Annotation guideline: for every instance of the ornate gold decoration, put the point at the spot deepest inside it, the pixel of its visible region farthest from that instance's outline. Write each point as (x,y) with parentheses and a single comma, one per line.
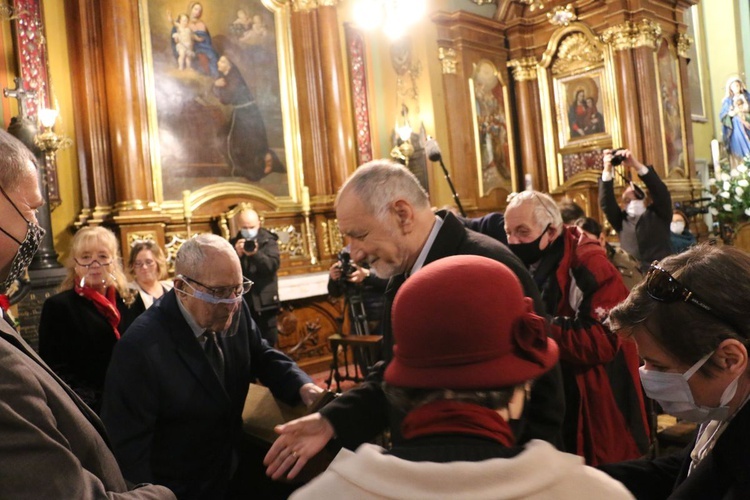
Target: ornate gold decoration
(304,5)
(333,241)
(630,35)
(533,4)
(576,53)
(447,56)
(291,240)
(524,69)
(174,242)
(328,3)
(683,42)
(483,2)
(141,236)
(562,16)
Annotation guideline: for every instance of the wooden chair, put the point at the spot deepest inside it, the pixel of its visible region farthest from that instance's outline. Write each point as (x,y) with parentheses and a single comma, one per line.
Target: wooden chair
(359,353)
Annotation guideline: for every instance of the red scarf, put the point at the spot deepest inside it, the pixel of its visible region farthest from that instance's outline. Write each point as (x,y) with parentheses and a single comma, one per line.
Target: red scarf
(456,417)
(4,302)
(107,306)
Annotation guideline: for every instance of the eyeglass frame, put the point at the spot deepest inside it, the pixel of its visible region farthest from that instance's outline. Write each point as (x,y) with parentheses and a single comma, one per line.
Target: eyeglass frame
(88,266)
(214,292)
(145,263)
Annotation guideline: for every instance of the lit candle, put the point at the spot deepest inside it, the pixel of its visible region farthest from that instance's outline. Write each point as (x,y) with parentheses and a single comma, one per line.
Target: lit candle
(305,199)
(186,204)
(715,158)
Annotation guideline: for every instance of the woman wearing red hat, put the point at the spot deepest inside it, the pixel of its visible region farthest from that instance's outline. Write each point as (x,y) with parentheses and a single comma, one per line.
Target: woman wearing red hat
(459,367)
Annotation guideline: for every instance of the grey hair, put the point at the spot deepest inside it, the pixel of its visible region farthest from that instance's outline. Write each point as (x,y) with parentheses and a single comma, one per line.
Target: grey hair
(14,163)
(192,256)
(379,183)
(546,210)
(406,399)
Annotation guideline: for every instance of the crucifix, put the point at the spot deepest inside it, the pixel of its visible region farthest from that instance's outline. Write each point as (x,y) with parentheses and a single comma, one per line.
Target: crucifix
(21,95)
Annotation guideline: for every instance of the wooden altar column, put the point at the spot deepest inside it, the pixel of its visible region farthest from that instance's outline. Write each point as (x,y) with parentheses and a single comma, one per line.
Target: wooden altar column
(323,98)
(126,108)
(530,133)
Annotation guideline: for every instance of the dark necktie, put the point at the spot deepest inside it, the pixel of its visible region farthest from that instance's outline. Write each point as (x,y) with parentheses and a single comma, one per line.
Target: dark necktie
(214,354)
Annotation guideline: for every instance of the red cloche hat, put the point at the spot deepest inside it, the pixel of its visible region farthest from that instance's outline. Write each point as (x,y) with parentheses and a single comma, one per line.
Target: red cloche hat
(463,322)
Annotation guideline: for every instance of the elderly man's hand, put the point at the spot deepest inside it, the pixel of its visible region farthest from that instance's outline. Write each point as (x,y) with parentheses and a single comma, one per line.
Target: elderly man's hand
(310,393)
(359,274)
(298,441)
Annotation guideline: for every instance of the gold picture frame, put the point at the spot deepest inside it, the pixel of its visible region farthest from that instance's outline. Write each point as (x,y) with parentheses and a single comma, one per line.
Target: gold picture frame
(577,61)
(493,129)
(671,110)
(215,128)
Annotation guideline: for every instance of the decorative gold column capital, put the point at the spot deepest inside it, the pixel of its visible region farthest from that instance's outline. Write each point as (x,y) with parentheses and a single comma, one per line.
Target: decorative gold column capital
(305,5)
(683,42)
(524,69)
(448,58)
(631,35)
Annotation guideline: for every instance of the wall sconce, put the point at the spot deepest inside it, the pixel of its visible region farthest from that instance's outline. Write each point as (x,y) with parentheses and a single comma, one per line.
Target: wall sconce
(48,141)
(404,149)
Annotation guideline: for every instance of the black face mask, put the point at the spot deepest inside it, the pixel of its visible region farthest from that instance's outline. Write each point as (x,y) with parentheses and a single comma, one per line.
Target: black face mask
(529,252)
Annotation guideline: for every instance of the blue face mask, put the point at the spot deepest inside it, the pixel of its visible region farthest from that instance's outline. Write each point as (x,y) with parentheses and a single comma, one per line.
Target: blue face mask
(672,392)
(207,297)
(249,234)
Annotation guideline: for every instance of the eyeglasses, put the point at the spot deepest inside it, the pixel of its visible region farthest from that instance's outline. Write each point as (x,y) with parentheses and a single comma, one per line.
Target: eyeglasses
(224,292)
(88,262)
(143,263)
(662,286)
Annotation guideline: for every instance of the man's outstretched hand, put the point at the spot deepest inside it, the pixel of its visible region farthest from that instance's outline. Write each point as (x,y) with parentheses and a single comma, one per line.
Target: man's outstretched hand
(298,441)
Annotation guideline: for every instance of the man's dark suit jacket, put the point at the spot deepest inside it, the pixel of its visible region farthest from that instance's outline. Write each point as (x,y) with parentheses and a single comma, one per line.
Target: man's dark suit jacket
(360,414)
(170,420)
(721,475)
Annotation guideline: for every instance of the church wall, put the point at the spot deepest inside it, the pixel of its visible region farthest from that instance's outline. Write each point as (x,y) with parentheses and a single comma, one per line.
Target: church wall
(60,84)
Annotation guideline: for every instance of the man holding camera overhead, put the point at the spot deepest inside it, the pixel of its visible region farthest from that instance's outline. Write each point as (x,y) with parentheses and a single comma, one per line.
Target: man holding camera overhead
(642,222)
(258,250)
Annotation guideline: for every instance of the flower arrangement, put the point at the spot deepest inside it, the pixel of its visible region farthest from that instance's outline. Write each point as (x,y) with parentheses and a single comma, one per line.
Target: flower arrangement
(730,199)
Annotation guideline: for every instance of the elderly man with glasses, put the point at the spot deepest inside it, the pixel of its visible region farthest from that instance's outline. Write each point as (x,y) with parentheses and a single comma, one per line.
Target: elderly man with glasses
(178,379)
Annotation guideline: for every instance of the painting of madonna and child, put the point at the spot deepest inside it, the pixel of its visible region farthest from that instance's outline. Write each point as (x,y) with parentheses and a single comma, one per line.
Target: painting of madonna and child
(217,94)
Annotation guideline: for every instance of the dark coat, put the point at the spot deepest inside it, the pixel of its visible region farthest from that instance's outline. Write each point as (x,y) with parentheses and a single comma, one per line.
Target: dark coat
(652,230)
(722,475)
(362,413)
(170,420)
(76,341)
(261,269)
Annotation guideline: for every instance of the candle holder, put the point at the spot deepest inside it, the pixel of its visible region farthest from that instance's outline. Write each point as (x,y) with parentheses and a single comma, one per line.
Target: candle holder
(311,243)
(48,141)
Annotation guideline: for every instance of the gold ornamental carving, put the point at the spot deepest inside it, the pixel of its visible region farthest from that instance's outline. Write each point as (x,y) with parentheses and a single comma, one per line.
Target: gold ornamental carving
(631,35)
(304,5)
(332,239)
(524,69)
(562,16)
(683,42)
(137,236)
(447,57)
(576,52)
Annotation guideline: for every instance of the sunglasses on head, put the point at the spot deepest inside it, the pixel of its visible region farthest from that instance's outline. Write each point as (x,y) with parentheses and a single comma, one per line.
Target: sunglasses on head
(662,286)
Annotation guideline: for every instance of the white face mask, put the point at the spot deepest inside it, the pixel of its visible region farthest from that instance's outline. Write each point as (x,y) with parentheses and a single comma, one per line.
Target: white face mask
(677,227)
(672,392)
(635,208)
(249,234)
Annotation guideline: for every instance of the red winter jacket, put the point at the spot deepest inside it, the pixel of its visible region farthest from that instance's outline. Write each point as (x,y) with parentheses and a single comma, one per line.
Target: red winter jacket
(589,287)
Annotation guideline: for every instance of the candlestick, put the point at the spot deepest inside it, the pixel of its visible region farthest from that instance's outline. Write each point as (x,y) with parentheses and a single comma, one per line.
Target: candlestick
(186,204)
(715,158)
(305,199)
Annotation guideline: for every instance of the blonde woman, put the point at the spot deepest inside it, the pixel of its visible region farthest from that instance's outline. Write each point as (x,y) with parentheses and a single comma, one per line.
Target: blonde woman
(148,268)
(79,326)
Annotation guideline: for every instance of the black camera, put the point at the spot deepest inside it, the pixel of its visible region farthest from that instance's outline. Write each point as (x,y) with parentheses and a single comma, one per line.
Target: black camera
(617,157)
(250,245)
(345,264)
(689,209)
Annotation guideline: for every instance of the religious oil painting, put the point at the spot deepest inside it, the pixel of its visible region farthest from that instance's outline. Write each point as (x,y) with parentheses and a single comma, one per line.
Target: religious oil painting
(492,129)
(216,99)
(670,97)
(695,79)
(582,114)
